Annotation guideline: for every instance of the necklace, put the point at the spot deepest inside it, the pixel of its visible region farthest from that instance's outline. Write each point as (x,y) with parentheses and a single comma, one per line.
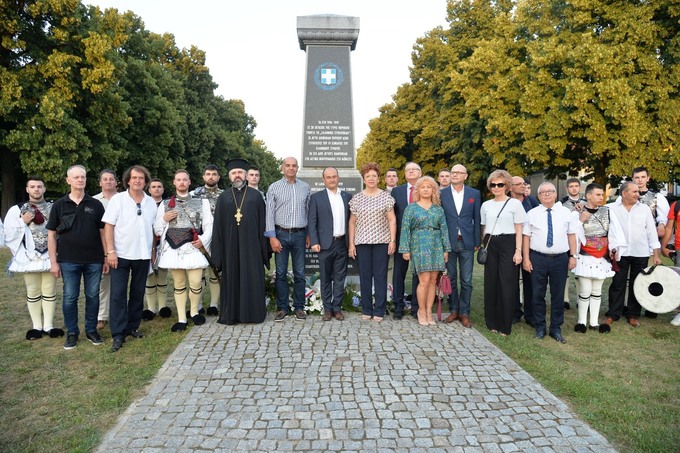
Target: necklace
(238,216)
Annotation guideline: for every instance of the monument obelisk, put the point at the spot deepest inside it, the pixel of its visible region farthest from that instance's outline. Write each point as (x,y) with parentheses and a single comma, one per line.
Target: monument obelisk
(328,130)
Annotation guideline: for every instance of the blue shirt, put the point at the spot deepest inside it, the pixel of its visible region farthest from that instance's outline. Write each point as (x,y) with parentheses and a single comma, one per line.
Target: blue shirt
(287,205)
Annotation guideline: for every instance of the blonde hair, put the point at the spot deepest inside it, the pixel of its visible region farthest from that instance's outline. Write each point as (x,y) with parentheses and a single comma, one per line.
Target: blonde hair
(500,174)
(436,199)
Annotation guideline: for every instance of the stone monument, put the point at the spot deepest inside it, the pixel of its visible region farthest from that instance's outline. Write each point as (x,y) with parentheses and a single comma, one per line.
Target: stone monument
(328,130)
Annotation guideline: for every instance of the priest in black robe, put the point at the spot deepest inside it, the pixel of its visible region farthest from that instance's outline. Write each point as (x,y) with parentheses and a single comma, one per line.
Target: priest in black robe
(239,249)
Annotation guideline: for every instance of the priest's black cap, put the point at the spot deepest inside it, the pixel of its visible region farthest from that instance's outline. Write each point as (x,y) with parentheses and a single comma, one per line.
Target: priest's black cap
(237,163)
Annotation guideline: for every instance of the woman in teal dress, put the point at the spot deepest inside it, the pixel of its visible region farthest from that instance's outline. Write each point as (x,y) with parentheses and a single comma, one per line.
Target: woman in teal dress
(425,242)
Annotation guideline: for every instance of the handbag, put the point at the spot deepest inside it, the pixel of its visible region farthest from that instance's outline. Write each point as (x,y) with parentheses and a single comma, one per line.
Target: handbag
(483,252)
(445,284)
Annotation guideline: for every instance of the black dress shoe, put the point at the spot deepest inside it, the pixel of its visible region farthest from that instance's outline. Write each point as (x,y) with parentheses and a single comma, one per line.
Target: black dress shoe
(398,314)
(213,311)
(134,334)
(539,335)
(567,305)
(117,344)
(580,328)
(165,312)
(558,337)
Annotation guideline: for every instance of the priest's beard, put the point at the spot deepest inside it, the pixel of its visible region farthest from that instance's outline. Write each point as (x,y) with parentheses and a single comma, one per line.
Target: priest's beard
(238,184)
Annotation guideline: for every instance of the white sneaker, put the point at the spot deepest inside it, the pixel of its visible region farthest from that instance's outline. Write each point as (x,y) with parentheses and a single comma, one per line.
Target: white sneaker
(676,320)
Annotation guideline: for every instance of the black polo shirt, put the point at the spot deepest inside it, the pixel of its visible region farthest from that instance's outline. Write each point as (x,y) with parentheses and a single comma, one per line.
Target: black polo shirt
(82,244)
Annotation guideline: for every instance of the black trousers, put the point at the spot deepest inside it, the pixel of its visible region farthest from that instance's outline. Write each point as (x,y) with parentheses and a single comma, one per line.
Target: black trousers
(617,290)
(501,280)
(332,273)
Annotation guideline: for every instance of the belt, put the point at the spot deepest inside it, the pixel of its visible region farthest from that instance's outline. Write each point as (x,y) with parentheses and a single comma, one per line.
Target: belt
(427,229)
(550,255)
(289,230)
(339,238)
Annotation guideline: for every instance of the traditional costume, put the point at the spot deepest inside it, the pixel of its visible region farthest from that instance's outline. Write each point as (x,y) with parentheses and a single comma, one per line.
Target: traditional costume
(156,291)
(211,194)
(177,253)
(28,244)
(239,250)
(597,236)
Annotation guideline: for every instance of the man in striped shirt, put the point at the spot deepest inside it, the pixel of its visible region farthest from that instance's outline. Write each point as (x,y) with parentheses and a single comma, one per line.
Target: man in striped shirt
(286,228)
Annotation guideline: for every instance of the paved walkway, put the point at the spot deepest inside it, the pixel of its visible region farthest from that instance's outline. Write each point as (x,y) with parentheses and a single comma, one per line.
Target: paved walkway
(346,386)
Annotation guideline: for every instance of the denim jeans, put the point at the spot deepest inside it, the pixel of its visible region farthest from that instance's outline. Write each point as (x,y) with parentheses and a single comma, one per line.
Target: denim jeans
(70,274)
(293,245)
(126,313)
(460,259)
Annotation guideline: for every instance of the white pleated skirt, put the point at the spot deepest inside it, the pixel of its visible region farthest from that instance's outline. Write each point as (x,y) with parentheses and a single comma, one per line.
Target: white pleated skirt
(591,267)
(185,257)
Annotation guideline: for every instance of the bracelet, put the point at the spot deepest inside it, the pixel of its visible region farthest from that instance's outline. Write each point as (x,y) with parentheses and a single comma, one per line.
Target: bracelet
(110,251)
(392,240)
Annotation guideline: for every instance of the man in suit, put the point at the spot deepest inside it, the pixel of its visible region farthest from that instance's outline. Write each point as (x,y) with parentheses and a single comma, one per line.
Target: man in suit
(403,195)
(461,205)
(328,228)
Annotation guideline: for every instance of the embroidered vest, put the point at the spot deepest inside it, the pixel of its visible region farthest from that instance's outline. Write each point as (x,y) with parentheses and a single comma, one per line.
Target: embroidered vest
(597,224)
(38,231)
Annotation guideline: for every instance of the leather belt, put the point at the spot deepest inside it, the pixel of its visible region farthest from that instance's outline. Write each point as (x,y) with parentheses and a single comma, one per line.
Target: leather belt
(289,230)
(339,238)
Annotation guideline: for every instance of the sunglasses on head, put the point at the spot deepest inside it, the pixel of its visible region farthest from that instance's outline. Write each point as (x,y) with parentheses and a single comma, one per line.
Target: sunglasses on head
(497,184)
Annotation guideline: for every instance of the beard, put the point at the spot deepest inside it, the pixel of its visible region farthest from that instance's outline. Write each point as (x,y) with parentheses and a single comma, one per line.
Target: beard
(238,183)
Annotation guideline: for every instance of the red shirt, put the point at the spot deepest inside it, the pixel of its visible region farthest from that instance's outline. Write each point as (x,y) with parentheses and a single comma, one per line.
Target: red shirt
(672,216)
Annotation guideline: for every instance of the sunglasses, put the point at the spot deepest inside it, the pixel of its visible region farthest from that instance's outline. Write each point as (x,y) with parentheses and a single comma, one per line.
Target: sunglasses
(139,209)
(496,184)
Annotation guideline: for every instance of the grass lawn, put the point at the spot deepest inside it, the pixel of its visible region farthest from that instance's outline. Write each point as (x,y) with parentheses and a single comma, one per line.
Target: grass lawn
(626,383)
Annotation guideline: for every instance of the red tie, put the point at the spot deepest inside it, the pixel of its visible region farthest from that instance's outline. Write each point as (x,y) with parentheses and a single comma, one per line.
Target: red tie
(410,195)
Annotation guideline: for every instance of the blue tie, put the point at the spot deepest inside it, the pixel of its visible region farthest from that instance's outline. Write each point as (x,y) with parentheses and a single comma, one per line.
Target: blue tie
(549,243)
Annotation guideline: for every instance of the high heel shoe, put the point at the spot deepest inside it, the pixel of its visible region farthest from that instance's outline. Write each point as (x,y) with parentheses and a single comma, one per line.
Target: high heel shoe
(422,318)
(430,320)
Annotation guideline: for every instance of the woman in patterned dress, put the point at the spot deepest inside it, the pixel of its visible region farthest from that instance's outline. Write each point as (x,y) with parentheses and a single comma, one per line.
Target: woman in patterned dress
(425,242)
(372,232)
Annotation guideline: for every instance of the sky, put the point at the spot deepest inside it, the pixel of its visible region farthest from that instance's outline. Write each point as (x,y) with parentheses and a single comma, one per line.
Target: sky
(253,54)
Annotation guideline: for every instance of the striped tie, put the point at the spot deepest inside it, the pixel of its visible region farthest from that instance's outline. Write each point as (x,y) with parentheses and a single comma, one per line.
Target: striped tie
(549,242)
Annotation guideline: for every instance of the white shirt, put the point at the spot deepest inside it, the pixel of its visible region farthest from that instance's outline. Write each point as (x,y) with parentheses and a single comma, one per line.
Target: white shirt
(513,214)
(639,229)
(564,223)
(338,209)
(132,233)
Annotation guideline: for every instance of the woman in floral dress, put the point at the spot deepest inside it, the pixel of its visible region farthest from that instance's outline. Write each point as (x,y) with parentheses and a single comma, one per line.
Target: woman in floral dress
(425,242)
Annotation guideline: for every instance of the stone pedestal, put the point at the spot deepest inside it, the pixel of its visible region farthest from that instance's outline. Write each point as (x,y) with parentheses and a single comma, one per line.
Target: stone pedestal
(328,130)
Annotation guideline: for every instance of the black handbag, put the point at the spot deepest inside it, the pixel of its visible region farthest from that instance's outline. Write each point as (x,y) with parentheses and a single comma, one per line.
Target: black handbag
(483,252)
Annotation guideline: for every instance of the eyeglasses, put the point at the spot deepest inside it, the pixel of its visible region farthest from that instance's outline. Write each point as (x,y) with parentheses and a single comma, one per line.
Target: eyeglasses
(459,173)
(413,169)
(546,192)
(493,185)
(139,209)
(519,184)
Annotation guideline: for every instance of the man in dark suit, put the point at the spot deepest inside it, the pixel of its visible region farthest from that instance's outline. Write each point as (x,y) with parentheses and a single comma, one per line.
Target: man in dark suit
(403,195)
(461,205)
(328,228)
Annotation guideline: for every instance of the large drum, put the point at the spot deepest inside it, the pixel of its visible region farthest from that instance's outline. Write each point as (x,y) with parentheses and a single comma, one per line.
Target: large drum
(657,288)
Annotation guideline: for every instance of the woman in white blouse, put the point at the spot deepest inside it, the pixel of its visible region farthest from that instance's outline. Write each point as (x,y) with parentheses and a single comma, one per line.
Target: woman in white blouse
(501,219)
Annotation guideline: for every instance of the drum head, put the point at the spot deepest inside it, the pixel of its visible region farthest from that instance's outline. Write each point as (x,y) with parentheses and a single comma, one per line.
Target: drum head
(658,291)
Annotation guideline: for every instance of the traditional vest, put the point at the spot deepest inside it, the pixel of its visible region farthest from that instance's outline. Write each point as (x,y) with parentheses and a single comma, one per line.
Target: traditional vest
(598,224)
(210,194)
(569,203)
(649,198)
(42,212)
(187,225)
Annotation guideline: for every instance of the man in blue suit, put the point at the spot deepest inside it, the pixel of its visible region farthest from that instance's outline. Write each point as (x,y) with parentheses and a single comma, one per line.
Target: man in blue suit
(328,219)
(461,205)
(403,195)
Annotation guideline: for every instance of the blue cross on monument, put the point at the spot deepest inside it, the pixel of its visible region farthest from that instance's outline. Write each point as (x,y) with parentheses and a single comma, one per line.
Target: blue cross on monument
(328,76)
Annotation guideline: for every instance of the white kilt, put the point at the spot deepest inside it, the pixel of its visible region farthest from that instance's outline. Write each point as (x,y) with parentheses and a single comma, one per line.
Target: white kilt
(185,257)
(591,267)
(23,263)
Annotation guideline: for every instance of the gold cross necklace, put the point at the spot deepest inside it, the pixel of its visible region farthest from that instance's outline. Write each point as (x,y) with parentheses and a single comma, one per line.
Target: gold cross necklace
(238,216)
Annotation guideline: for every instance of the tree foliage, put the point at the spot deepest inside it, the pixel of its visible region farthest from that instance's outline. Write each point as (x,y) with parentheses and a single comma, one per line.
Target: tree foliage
(560,86)
(81,85)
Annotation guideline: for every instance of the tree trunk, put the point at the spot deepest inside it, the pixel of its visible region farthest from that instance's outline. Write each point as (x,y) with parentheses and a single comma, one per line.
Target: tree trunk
(8,195)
